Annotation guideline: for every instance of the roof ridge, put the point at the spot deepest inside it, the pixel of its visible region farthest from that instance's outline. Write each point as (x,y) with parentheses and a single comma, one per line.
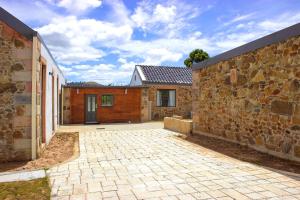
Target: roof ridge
(161,66)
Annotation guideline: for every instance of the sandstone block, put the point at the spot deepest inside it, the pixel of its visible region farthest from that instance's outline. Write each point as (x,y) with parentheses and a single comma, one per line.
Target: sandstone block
(297,151)
(259,77)
(282,107)
(8,87)
(17,67)
(21,76)
(22,99)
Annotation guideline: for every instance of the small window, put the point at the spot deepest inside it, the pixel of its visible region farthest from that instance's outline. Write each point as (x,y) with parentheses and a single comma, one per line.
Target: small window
(107,100)
(135,77)
(166,98)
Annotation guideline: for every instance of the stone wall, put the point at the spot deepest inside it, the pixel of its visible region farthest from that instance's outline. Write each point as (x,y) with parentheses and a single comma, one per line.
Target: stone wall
(66,106)
(145,106)
(15,95)
(252,99)
(183,101)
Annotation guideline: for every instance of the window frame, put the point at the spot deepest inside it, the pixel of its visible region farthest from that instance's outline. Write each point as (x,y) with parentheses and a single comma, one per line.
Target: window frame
(112,100)
(169,97)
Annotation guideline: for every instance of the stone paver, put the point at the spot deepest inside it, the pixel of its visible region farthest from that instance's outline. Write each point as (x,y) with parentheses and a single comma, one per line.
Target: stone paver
(21,175)
(157,164)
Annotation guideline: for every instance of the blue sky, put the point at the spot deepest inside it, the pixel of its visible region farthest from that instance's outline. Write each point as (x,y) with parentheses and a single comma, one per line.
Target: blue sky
(99,40)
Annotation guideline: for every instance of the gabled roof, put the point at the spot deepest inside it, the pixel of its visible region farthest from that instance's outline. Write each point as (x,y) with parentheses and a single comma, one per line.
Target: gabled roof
(273,38)
(165,74)
(16,24)
(24,30)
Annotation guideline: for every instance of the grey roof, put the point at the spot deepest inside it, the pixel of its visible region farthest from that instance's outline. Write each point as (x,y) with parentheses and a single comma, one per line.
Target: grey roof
(23,29)
(276,37)
(166,74)
(16,24)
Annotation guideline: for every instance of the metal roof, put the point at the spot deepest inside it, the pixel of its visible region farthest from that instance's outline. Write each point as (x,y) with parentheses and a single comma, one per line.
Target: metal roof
(166,75)
(276,37)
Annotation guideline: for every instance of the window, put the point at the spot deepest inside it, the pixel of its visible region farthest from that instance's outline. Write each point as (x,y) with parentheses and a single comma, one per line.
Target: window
(166,98)
(107,100)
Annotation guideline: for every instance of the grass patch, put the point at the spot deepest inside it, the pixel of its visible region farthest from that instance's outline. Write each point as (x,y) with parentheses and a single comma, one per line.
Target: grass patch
(35,189)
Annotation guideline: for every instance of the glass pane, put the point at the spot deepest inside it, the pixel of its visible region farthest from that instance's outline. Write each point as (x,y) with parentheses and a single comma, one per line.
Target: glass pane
(107,100)
(172,98)
(93,104)
(158,98)
(164,98)
(89,103)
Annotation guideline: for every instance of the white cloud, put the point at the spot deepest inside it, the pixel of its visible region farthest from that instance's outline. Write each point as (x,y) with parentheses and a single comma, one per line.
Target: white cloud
(73,40)
(163,49)
(239,18)
(101,73)
(119,13)
(234,36)
(78,6)
(169,18)
(39,11)
(282,21)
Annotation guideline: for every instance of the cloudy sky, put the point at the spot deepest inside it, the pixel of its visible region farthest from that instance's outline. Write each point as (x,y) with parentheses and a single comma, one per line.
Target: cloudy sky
(102,40)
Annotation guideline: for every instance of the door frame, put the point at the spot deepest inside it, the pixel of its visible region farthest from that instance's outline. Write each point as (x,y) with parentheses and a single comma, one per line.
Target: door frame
(43,100)
(85,109)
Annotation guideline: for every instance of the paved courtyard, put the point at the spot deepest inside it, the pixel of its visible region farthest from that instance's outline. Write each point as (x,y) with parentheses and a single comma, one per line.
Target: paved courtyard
(153,163)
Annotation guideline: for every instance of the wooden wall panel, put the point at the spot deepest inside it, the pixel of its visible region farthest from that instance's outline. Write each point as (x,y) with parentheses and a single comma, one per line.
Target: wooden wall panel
(126,107)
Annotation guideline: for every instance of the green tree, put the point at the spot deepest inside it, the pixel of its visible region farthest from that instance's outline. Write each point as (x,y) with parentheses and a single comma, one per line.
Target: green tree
(196,56)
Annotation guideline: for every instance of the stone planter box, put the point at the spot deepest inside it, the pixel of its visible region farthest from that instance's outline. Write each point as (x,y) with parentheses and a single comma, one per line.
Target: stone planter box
(178,124)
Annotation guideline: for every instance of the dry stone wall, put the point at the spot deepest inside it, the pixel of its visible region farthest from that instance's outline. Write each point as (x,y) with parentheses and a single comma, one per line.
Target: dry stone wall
(252,99)
(15,95)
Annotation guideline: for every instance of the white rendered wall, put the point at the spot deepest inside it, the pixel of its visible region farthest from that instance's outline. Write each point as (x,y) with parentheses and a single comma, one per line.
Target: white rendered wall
(135,79)
(52,70)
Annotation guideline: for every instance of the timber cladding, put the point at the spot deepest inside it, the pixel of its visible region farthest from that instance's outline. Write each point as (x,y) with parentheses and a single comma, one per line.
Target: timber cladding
(126,104)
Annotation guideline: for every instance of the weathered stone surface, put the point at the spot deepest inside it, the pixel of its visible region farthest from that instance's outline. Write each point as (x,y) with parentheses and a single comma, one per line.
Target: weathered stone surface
(17,67)
(183,101)
(12,92)
(22,99)
(19,43)
(256,101)
(259,77)
(8,87)
(297,151)
(282,107)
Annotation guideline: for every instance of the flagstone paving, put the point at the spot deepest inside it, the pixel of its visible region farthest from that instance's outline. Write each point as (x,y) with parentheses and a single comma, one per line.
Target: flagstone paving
(157,164)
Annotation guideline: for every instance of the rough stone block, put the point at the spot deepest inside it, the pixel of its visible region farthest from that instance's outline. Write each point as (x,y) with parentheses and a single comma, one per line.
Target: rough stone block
(17,67)
(22,144)
(258,77)
(22,121)
(178,125)
(8,87)
(21,76)
(22,99)
(297,151)
(282,107)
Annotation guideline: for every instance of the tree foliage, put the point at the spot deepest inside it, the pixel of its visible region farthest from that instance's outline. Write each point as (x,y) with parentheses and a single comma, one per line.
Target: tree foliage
(196,56)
